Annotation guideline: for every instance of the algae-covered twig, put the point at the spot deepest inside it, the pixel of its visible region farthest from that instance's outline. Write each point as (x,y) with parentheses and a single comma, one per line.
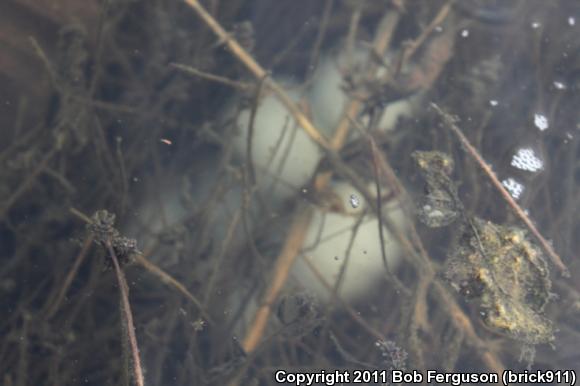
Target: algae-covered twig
(117,247)
(128,317)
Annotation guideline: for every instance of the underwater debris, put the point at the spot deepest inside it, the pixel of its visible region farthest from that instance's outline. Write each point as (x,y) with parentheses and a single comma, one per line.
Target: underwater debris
(496,264)
(299,313)
(441,205)
(102,228)
(508,274)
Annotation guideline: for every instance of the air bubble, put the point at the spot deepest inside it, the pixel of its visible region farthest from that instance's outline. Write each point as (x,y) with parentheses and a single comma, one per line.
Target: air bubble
(559,85)
(354,201)
(541,122)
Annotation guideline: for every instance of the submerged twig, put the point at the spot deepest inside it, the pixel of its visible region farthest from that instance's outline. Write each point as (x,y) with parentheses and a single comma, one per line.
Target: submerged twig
(69,278)
(104,234)
(439,18)
(171,281)
(250,139)
(427,271)
(323,25)
(212,77)
(351,311)
(128,316)
(258,72)
(450,122)
(297,233)
(27,183)
(291,247)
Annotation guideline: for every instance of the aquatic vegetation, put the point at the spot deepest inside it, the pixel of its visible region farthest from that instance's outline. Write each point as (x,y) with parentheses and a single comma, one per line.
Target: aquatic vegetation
(237,141)
(495,264)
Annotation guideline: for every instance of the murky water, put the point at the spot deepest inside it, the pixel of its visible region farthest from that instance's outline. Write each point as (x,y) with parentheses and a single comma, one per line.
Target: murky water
(278,228)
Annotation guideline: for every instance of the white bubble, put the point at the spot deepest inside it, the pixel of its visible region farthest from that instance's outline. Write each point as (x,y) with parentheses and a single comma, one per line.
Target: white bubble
(465,33)
(493,102)
(541,121)
(354,201)
(536,25)
(571,21)
(559,85)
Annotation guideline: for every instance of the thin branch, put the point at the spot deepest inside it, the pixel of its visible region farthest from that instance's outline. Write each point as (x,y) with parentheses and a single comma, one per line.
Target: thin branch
(69,278)
(212,77)
(80,215)
(379,201)
(315,52)
(355,315)
(27,183)
(450,122)
(439,18)
(171,281)
(258,72)
(128,316)
(352,109)
(292,246)
(250,139)
(426,269)
(301,222)
(219,259)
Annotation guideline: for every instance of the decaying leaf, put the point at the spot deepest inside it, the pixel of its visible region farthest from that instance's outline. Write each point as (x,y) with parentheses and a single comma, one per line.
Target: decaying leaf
(509,276)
